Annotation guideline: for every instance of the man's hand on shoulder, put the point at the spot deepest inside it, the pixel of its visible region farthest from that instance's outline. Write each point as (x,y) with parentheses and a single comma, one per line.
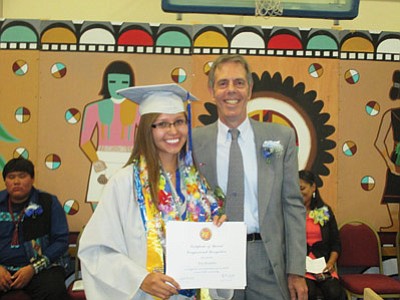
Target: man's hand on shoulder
(297,287)
(22,277)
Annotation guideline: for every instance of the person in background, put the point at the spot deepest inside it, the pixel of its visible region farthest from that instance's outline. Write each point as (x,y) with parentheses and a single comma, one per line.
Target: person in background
(33,237)
(272,207)
(122,247)
(322,241)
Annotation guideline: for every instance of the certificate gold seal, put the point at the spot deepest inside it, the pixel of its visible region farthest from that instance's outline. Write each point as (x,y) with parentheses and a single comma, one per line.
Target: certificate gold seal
(205,234)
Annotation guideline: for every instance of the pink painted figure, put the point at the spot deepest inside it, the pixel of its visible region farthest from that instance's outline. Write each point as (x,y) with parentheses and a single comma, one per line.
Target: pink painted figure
(108,129)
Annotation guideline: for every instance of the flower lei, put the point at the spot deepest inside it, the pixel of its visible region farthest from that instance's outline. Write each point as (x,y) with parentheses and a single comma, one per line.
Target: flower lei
(269,148)
(220,196)
(320,215)
(191,201)
(200,205)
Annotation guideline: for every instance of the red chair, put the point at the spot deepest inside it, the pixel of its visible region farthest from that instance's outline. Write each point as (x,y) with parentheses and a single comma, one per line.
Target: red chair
(76,294)
(361,250)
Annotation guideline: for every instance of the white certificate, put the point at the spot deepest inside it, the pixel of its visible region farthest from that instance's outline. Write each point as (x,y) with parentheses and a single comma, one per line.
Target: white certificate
(202,255)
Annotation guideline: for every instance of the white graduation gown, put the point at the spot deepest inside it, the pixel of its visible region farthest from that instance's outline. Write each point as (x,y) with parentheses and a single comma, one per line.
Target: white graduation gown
(113,246)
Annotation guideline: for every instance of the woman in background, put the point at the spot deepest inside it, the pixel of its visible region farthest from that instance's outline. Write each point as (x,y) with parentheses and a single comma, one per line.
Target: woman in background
(322,241)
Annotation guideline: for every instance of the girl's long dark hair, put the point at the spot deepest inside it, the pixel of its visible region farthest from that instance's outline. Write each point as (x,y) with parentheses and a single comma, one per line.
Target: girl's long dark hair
(145,146)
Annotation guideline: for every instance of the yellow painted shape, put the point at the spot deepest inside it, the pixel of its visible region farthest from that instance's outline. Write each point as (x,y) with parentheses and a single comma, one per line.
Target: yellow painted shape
(59,36)
(211,39)
(357,44)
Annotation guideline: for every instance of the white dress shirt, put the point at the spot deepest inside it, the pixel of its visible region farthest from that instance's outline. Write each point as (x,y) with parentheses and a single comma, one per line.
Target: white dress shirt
(248,148)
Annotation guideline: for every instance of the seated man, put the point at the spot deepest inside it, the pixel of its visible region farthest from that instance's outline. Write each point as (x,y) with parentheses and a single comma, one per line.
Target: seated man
(33,236)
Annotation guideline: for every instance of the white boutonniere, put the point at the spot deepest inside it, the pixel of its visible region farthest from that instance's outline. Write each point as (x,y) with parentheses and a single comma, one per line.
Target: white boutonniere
(33,210)
(270,148)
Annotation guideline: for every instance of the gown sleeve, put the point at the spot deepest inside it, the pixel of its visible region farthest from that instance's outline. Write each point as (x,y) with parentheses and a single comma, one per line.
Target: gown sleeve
(112,248)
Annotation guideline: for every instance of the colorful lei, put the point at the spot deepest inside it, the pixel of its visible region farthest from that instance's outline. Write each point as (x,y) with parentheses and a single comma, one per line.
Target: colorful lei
(195,198)
(220,196)
(190,201)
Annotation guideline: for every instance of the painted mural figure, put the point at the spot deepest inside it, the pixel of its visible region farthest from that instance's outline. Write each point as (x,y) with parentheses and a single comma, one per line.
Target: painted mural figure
(8,138)
(114,120)
(391,122)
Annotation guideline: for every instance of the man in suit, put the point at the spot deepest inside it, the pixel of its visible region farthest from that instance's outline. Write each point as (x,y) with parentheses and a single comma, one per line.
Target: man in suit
(273,208)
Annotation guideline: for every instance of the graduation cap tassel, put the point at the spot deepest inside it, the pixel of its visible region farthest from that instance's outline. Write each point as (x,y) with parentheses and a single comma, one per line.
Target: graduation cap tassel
(189,157)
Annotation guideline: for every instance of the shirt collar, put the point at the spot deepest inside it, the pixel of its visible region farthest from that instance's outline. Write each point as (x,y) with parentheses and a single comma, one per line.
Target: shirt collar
(244,128)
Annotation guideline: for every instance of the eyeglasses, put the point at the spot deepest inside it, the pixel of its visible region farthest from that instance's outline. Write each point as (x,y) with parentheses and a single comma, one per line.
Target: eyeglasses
(166,125)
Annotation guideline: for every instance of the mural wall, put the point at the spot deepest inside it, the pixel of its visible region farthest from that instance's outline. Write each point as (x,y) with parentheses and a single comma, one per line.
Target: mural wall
(337,89)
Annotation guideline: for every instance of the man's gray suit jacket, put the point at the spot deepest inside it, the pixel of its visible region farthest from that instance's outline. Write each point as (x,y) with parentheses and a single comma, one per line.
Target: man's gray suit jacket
(280,204)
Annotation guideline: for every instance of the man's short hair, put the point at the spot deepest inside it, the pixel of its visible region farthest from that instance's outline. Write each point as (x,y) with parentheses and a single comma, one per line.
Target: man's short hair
(19,165)
(225,58)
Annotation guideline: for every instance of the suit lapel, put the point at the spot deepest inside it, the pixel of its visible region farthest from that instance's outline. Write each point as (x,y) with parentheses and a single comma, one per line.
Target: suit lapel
(207,150)
(265,171)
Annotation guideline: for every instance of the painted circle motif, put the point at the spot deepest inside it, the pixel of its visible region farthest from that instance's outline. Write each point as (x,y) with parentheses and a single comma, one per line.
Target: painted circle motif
(58,70)
(53,161)
(178,75)
(22,114)
(72,116)
(207,67)
(205,234)
(315,70)
(351,76)
(372,108)
(20,67)
(71,207)
(349,148)
(21,152)
(367,183)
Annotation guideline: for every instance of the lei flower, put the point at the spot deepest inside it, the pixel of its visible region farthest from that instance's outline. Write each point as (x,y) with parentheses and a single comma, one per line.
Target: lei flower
(320,215)
(220,197)
(33,210)
(201,205)
(270,148)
